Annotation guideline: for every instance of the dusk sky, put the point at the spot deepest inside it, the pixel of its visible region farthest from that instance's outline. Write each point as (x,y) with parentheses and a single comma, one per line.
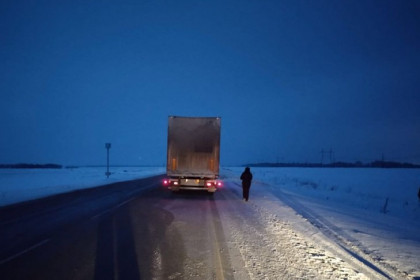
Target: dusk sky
(288,78)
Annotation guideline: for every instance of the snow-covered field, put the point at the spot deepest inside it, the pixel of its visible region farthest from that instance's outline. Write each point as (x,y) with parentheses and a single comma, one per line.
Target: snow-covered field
(372,214)
(17,185)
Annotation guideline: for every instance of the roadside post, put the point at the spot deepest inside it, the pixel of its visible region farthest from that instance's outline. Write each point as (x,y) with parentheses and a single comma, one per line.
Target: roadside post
(107,146)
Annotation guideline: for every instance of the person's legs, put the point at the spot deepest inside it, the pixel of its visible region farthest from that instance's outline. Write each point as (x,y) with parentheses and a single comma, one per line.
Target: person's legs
(246,193)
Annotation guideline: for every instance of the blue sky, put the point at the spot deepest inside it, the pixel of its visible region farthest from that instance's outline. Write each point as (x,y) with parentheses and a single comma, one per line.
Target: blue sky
(288,78)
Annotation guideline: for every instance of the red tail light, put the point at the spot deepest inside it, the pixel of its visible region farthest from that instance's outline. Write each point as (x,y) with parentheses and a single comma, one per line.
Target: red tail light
(214,183)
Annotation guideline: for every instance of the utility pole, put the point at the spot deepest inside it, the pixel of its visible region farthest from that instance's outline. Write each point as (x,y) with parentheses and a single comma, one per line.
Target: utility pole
(107,146)
(325,153)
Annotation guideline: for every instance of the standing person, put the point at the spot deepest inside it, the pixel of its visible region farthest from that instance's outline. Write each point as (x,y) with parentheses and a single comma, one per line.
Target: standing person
(246,178)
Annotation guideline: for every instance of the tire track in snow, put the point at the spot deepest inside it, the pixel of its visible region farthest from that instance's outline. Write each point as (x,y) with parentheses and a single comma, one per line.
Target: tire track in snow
(221,261)
(273,249)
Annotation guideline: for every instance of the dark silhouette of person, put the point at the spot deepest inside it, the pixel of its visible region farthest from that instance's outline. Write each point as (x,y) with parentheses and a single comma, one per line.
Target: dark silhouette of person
(246,178)
(418,194)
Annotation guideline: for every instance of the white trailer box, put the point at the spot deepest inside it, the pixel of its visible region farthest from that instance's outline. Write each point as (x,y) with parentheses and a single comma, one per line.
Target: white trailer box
(193,153)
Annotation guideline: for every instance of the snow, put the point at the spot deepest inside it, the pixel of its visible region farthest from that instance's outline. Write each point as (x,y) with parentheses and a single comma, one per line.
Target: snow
(372,214)
(323,223)
(273,247)
(17,185)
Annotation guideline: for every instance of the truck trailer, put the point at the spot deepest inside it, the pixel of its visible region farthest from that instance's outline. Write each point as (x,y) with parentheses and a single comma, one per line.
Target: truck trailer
(193,153)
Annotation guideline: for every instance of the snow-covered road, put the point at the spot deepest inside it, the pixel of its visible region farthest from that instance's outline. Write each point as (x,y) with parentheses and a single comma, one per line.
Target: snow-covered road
(266,245)
(192,235)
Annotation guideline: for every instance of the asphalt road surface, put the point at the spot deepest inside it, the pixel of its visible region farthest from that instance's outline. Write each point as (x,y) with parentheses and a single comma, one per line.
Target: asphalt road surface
(120,231)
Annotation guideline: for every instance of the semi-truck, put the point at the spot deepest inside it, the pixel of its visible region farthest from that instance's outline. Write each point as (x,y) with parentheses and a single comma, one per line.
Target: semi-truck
(193,153)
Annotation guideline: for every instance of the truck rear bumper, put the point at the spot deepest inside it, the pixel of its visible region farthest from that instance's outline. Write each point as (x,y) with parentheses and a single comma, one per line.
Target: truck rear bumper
(177,188)
(176,184)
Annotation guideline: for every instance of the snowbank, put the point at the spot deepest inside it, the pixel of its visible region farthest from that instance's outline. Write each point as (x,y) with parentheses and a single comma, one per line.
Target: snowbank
(17,185)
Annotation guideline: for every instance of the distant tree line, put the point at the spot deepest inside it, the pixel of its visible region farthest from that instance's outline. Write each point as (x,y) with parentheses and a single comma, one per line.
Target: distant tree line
(32,166)
(358,164)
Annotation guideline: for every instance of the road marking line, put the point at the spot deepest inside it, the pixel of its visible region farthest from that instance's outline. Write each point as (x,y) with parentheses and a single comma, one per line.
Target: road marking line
(112,209)
(122,203)
(100,214)
(24,251)
(125,202)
